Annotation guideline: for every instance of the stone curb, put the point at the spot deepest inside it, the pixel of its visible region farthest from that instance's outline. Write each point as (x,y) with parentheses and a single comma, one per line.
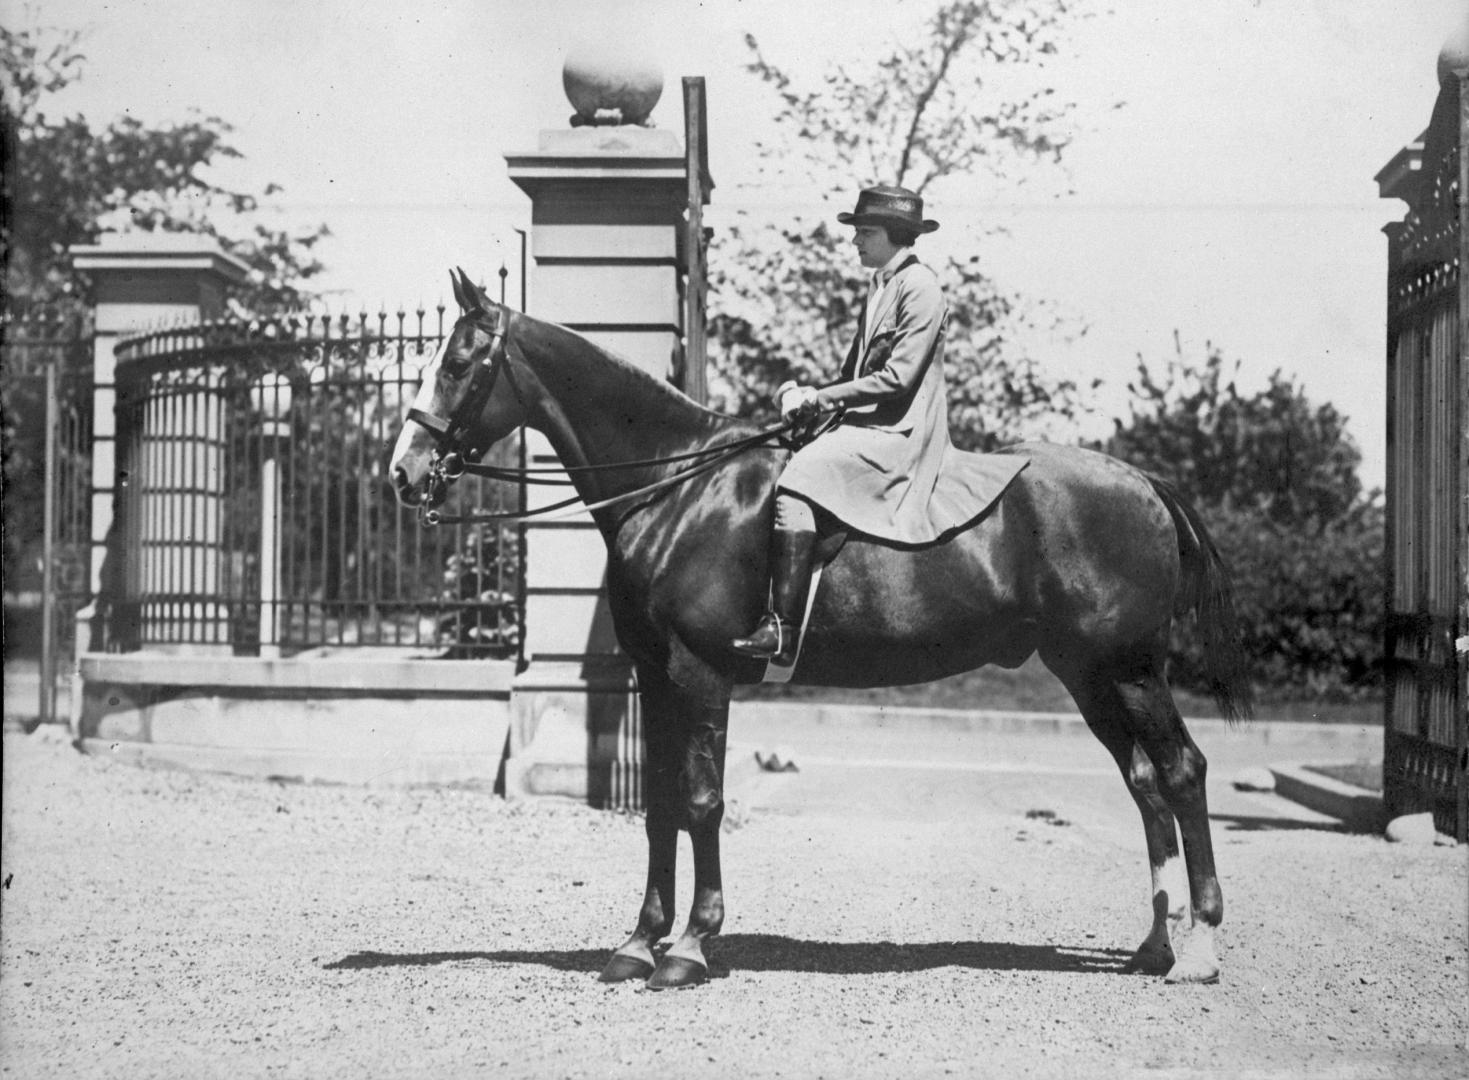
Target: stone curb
(1357,808)
(993,721)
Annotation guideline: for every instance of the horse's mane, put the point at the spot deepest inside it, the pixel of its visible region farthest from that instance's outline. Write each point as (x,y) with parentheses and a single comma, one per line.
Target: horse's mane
(628,374)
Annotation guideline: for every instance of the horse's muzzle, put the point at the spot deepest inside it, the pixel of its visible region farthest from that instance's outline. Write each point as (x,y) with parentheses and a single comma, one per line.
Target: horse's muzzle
(433,491)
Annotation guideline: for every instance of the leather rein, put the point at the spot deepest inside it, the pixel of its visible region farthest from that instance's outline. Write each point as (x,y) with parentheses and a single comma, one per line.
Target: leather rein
(453,457)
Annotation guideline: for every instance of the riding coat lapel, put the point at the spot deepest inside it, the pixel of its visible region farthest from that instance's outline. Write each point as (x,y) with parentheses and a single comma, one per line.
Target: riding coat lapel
(877,308)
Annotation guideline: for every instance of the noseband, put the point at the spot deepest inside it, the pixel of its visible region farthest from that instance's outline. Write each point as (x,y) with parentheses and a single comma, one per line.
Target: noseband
(449,435)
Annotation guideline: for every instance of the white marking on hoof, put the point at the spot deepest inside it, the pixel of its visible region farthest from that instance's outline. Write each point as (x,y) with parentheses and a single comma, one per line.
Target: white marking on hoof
(1197,962)
(690,949)
(1171,881)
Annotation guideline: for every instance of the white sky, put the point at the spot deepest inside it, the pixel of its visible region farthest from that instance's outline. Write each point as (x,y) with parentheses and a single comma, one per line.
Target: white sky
(1231,199)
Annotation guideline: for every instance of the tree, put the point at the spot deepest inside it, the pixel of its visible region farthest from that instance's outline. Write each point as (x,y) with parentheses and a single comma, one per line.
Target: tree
(784,298)
(1275,477)
(1274,453)
(66,180)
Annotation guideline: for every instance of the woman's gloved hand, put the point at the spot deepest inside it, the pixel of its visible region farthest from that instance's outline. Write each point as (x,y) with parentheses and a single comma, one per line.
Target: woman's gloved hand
(796,401)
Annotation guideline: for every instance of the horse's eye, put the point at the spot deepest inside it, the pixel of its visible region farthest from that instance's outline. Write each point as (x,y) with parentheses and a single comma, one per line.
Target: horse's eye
(454,364)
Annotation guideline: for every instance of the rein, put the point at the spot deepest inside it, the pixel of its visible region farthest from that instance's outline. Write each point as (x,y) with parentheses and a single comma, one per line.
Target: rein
(453,458)
(703,460)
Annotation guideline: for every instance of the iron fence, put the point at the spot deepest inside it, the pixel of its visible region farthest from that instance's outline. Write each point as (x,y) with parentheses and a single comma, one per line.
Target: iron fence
(46,384)
(255,511)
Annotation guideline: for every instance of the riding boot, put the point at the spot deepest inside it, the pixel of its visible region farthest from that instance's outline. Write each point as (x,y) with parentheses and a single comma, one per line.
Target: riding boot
(774,638)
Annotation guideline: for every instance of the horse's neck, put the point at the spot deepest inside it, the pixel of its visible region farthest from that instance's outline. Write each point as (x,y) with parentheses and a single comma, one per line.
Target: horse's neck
(597,409)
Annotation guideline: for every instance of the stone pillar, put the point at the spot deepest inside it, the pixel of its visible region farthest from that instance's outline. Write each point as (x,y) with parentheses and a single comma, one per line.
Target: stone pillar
(607,211)
(140,281)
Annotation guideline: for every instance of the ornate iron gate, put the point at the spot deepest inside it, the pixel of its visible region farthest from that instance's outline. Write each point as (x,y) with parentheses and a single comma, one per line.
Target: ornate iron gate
(1424,765)
(47,363)
(255,512)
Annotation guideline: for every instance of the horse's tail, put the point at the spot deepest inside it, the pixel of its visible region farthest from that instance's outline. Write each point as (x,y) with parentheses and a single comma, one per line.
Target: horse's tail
(1207,590)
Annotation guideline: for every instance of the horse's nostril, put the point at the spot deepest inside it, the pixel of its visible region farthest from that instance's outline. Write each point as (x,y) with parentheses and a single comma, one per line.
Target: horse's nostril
(406,491)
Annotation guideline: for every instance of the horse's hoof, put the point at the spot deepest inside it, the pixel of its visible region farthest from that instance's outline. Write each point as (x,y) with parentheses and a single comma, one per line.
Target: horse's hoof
(676,971)
(1151,960)
(623,968)
(1196,971)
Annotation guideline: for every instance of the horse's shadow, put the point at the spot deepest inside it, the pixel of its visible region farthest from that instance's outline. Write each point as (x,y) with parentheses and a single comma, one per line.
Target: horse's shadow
(772,952)
(1247,823)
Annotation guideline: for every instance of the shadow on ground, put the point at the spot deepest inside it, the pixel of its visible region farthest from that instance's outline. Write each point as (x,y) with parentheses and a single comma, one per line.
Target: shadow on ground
(771,952)
(1245,823)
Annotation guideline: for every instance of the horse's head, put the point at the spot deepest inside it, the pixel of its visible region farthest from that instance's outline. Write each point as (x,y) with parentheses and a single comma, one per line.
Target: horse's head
(467,402)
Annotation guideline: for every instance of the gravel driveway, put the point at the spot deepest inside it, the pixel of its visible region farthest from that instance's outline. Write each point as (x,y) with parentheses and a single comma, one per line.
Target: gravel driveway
(166,924)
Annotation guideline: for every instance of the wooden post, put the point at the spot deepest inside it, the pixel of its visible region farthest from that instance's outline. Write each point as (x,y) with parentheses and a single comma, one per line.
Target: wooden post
(47,704)
(1459,655)
(696,281)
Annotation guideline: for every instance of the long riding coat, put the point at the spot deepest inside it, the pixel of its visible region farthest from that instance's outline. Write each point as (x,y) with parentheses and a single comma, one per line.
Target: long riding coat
(889,470)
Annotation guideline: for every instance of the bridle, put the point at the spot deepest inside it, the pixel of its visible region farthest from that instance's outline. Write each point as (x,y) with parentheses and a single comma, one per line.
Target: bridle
(451,451)
(454,455)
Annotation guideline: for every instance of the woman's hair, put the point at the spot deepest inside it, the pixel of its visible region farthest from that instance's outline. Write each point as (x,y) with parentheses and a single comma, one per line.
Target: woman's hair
(900,235)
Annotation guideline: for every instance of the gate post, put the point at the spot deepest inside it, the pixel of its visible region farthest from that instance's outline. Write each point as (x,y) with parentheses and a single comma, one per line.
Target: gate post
(139,281)
(607,236)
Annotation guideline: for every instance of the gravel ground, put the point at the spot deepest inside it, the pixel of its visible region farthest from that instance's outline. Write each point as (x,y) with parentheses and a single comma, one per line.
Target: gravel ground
(168,924)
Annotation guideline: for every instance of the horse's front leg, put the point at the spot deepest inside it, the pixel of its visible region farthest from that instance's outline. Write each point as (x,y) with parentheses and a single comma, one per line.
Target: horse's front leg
(701,799)
(634,958)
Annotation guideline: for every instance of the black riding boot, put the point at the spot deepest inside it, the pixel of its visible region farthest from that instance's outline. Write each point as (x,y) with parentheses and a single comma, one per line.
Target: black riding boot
(775,636)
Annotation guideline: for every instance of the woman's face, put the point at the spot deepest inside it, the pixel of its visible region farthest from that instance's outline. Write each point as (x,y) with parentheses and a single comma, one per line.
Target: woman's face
(873,246)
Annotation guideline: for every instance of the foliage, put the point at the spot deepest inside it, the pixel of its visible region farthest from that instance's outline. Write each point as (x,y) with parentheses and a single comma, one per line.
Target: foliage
(1309,596)
(66,181)
(482,576)
(784,298)
(1276,479)
(1273,454)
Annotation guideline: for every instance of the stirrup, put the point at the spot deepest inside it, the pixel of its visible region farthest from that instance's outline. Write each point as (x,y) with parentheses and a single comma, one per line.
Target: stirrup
(770,622)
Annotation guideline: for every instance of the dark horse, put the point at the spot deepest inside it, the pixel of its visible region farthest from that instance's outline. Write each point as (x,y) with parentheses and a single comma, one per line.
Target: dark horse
(1084,560)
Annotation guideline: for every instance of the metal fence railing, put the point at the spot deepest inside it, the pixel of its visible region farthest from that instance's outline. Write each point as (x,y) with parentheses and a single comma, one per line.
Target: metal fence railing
(46,385)
(256,511)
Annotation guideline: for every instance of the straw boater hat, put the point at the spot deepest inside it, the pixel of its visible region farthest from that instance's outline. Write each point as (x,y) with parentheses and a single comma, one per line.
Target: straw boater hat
(889,205)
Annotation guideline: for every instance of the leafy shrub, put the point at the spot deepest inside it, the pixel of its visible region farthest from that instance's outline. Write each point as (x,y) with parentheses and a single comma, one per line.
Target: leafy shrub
(1275,478)
(481,582)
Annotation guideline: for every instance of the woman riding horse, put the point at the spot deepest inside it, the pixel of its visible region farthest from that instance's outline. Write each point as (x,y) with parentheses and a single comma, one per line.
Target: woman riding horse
(888,469)
(1085,561)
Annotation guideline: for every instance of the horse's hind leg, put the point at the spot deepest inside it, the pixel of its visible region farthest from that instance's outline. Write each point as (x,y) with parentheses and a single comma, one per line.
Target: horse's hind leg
(1136,719)
(1170,882)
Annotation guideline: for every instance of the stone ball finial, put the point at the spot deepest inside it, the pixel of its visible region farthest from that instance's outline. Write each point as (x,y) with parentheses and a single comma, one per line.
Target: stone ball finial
(611,83)
(1453,58)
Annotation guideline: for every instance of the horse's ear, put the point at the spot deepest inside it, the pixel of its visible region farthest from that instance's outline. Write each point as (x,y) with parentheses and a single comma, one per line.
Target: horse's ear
(469,295)
(477,296)
(462,297)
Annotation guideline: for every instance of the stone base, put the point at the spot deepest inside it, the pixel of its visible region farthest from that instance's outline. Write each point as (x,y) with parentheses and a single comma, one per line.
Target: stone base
(576,732)
(368,720)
